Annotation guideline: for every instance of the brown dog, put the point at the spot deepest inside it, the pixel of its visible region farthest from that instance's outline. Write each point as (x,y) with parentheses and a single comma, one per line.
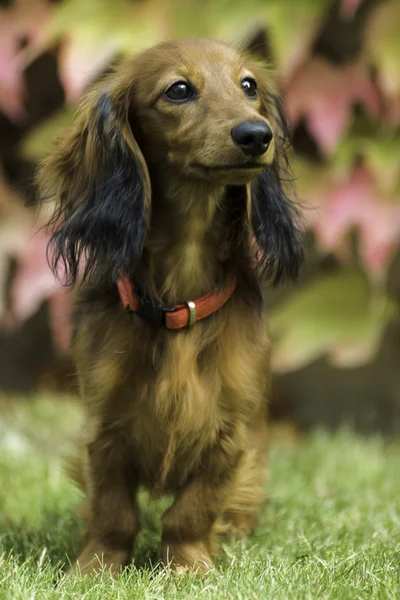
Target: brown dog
(171,172)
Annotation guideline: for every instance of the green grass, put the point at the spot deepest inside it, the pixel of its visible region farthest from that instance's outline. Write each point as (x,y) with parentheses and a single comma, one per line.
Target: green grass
(331,528)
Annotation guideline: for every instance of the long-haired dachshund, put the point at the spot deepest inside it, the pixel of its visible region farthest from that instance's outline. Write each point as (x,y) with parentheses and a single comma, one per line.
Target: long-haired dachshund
(171,210)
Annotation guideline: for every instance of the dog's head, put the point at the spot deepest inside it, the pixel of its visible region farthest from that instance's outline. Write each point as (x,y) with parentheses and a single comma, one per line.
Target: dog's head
(194,109)
(205,111)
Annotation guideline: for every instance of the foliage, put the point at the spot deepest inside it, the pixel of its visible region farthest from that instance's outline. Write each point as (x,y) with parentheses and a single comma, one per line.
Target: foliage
(330,529)
(333,315)
(350,187)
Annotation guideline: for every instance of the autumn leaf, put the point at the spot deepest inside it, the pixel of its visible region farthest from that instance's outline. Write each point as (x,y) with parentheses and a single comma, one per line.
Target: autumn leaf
(353,202)
(324,95)
(14,227)
(23,241)
(23,22)
(76,73)
(94,31)
(38,143)
(348,8)
(292,26)
(339,316)
(379,148)
(381,36)
(33,281)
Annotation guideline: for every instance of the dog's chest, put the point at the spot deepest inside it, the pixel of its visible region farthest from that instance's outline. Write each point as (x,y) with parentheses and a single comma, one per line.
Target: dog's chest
(179,412)
(172,425)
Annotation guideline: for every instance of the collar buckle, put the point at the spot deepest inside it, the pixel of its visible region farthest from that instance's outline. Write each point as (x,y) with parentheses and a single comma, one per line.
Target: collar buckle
(152,311)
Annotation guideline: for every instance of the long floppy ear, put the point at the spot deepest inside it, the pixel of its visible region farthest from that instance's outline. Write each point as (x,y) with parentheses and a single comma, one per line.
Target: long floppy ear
(99,182)
(274,216)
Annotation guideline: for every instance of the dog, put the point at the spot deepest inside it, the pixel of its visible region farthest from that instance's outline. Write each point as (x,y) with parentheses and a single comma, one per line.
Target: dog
(171,209)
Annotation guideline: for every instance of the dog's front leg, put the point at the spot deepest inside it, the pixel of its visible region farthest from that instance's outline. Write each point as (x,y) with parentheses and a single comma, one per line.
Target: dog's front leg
(113,513)
(188,538)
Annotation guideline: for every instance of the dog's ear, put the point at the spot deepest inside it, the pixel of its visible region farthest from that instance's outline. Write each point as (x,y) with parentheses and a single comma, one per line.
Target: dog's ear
(275,217)
(98,179)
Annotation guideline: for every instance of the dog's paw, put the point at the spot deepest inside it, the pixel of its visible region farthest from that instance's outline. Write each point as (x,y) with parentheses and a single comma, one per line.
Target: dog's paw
(95,558)
(237,525)
(183,557)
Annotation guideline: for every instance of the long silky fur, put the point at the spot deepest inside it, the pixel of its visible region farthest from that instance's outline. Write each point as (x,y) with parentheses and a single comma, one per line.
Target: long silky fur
(177,412)
(275,217)
(100,223)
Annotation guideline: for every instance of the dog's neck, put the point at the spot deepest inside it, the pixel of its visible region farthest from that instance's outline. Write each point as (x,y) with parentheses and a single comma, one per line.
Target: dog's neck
(186,256)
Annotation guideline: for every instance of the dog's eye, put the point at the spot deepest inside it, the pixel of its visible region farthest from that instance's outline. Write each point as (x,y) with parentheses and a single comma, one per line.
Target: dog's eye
(179,92)
(249,86)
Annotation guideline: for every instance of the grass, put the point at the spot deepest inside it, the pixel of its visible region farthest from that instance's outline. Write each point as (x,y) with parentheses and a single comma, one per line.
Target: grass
(330,530)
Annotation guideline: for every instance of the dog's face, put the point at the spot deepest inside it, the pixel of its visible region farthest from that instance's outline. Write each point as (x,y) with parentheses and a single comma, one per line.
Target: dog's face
(181,112)
(203,109)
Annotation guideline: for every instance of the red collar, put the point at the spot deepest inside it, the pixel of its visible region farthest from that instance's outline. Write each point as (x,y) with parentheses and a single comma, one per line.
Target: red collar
(173,317)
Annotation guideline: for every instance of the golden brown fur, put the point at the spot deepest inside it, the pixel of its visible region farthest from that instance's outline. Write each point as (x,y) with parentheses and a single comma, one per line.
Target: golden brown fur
(183,413)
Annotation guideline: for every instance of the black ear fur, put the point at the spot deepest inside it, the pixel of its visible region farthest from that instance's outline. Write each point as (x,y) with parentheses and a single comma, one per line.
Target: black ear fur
(275,219)
(100,214)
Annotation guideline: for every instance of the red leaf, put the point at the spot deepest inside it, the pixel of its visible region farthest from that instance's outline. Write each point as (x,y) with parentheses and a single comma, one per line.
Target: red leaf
(15,222)
(24,21)
(342,208)
(356,203)
(348,8)
(33,284)
(324,95)
(379,235)
(33,281)
(11,81)
(80,61)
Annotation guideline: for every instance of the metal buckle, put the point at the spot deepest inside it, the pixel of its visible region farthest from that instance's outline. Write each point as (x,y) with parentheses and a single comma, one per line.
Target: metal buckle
(192,313)
(154,312)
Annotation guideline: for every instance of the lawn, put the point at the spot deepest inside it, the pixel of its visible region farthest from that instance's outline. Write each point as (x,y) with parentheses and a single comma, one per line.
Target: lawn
(331,528)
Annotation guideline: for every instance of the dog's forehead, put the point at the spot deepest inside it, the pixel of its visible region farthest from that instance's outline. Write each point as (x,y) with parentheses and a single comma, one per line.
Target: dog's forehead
(193,49)
(207,53)
(197,59)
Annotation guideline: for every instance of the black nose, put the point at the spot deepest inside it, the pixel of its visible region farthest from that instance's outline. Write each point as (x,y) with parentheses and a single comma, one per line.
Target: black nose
(253,137)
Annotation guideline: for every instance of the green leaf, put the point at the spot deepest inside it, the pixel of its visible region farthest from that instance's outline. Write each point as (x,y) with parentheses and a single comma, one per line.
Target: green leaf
(292,26)
(130,25)
(226,19)
(337,315)
(38,143)
(380,149)
(382,34)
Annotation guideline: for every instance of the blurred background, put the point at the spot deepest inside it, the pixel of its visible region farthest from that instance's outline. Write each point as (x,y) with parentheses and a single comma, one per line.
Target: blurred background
(336,334)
